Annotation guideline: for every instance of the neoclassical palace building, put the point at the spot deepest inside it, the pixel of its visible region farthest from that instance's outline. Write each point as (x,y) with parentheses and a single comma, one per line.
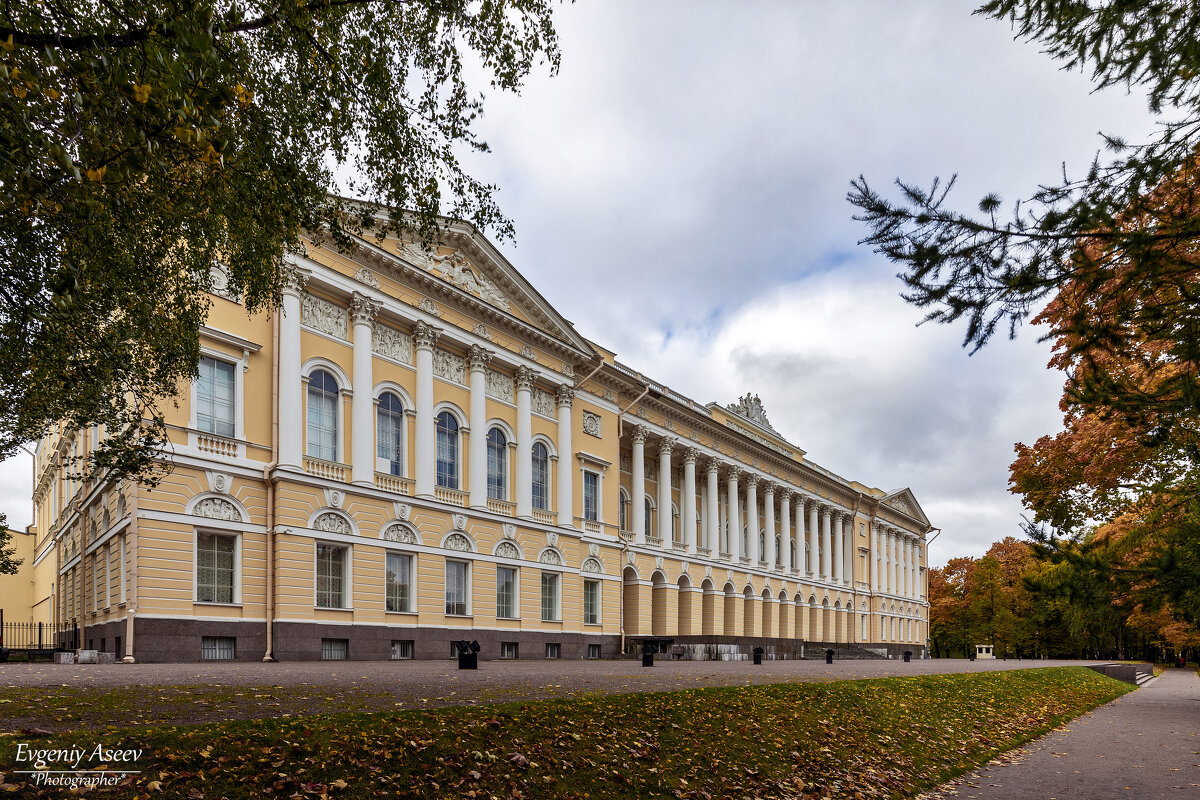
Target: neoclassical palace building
(418,449)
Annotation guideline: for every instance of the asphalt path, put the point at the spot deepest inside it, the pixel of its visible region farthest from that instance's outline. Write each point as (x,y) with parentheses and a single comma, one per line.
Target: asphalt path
(1144,745)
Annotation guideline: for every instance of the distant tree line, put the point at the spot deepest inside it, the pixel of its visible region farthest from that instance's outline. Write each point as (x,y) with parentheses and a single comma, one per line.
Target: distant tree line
(1029,605)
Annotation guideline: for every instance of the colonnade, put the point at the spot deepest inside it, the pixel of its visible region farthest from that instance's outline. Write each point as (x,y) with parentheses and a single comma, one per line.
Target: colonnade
(363,311)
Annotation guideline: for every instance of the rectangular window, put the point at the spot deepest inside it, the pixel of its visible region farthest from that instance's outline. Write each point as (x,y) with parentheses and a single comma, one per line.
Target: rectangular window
(399,582)
(96,582)
(402,649)
(107,578)
(509,650)
(214,567)
(335,649)
(591,495)
(218,648)
(331,576)
(215,397)
(591,602)
(553,650)
(550,596)
(593,651)
(456,588)
(506,593)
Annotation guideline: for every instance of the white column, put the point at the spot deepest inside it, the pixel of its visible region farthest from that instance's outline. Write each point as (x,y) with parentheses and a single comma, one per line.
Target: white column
(752,528)
(769,511)
(814,546)
(889,544)
(664,490)
(687,499)
(524,384)
(291,423)
(637,484)
(566,458)
(785,538)
(734,517)
(826,544)
(362,451)
(839,530)
(477,361)
(874,557)
(896,587)
(424,338)
(714,509)
(908,571)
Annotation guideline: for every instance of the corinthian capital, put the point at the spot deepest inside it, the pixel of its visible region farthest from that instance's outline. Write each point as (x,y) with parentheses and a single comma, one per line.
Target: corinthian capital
(363,309)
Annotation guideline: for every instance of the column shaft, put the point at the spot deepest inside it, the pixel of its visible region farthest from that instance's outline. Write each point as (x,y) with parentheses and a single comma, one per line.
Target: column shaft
(814,547)
(714,513)
(362,451)
(785,539)
(826,545)
(752,526)
(687,500)
(426,467)
(477,484)
(524,383)
(734,517)
(566,457)
(665,518)
(637,485)
(769,513)
(291,425)
(839,537)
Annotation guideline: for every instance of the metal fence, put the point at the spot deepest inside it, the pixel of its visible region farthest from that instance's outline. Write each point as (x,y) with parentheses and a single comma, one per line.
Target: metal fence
(40,635)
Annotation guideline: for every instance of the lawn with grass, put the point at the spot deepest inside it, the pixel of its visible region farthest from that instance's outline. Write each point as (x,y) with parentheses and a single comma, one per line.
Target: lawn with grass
(889,737)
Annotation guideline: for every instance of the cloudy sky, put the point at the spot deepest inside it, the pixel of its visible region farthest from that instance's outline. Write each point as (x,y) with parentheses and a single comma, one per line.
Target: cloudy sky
(679,193)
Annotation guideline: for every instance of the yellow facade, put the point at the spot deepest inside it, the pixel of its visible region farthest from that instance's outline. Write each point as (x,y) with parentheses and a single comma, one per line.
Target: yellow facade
(418,449)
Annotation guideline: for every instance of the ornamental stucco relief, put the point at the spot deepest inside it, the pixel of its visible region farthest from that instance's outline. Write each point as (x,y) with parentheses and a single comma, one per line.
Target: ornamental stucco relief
(331,523)
(552,557)
(324,316)
(507,549)
(499,386)
(449,366)
(391,343)
(396,532)
(456,541)
(591,565)
(542,402)
(455,269)
(591,424)
(366,277)
(216,508)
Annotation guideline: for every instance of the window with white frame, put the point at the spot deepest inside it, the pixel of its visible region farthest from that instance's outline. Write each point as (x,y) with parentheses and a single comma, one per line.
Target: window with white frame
(553,650)
(550,586)
(389,434)
(593,651)
(331,575)
(676,533)
(623,511)
(322,439)
(402,649)
(541,477)
(218,648)
(399,588)
(506,593)
(107,577)
(591,495)
(215,567)
(509,650)
(96,581)
(215,397)
(591,602)
(457,573)
(447,450)
(649,511)
(497,465)
(335,649)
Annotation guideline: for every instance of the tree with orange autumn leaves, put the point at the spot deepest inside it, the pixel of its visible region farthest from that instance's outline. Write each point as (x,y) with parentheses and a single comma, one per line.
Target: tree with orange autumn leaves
(1116,494)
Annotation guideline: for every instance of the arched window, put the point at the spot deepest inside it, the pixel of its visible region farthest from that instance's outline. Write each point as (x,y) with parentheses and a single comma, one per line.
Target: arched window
(447,450)
(541,477)
(497,465)
(322,416)
(623,511)
(762,545)
(778,550)
(649,519)
(389,434)
(675,532)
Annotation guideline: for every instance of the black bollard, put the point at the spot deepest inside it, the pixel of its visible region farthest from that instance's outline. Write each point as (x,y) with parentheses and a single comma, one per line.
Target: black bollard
(907,656)
(758,653)
(468,654)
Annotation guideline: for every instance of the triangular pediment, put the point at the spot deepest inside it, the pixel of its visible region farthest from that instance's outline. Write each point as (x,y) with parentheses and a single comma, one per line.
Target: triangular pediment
(471,265)
(906,503)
